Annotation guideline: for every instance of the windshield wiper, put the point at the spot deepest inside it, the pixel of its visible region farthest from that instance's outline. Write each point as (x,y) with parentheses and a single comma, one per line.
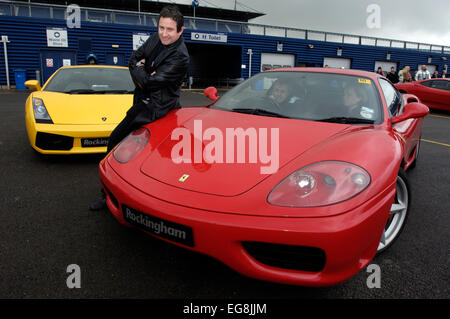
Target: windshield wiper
(81,91)
(114,91)
(90,91)
(346,120)
(258,112)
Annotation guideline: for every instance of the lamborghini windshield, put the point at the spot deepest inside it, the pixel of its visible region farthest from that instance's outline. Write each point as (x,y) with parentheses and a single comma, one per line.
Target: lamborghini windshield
(92,80)
(314,96)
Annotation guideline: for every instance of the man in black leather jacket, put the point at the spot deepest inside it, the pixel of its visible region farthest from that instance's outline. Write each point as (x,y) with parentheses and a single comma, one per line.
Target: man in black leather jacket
(157,68)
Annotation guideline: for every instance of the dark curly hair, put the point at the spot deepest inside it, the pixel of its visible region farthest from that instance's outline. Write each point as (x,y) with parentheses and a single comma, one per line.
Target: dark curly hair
(172,11)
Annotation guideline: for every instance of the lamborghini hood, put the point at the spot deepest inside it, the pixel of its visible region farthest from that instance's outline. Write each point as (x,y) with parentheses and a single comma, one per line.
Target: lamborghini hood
(86,109)
(246,149)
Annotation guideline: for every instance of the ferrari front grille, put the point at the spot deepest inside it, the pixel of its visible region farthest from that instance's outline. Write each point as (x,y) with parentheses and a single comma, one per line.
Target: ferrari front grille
(292,257)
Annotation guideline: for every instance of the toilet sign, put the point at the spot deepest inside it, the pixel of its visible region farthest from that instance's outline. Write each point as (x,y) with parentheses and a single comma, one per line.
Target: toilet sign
(213,37)
(57,37)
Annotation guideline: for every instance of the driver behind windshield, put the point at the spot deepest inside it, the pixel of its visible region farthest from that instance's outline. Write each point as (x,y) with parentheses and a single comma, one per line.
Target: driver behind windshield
(283,95)
(355,101)
(280,92)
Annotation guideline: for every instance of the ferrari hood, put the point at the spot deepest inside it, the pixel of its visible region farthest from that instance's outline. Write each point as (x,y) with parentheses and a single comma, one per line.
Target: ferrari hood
(87,109)
(225,153)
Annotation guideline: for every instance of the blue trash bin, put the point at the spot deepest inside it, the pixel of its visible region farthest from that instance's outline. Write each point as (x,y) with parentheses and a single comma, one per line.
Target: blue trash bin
(20,77)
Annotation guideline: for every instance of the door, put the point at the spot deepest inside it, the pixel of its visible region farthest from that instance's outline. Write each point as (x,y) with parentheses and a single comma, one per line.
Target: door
(276,61)
(409,131)
(385,66)
(52,60)
(115,59)
(430,67)
(339,63)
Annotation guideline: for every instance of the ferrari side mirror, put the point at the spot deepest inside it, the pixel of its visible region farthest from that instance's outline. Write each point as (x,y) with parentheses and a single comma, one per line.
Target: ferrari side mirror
(410,111)
(211,93)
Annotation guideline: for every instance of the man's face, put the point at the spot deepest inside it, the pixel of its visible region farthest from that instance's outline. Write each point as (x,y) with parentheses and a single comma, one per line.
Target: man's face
(350,97)
(167,31)
(424,68)
(280,93)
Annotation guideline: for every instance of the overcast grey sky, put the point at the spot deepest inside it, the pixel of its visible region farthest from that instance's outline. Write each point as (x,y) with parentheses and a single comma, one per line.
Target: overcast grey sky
(409,20)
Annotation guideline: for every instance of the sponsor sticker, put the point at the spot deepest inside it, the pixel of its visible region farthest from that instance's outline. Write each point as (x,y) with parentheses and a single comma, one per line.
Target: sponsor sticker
(364,81)
(366,112)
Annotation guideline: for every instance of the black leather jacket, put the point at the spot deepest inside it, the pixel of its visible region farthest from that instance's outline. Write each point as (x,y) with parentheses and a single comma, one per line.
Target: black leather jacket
(162,90)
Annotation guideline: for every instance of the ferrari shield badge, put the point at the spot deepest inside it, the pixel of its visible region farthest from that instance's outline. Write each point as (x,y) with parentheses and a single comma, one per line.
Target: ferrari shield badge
(183,178)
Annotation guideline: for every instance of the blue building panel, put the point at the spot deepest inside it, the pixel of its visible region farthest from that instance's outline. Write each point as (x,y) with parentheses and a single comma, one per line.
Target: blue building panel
(28,40)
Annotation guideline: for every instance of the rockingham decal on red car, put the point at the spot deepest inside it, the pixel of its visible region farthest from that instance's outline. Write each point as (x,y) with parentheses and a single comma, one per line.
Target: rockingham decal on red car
(163,228)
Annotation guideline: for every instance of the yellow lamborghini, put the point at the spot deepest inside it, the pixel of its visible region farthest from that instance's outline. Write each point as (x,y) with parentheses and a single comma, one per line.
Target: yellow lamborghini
(77,108)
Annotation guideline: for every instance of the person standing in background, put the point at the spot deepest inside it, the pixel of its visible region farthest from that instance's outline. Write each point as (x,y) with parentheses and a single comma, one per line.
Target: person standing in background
(404,75)
(422,74)
(392,76)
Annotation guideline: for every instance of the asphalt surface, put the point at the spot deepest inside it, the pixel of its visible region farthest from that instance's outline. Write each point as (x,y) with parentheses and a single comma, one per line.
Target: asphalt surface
(45,226)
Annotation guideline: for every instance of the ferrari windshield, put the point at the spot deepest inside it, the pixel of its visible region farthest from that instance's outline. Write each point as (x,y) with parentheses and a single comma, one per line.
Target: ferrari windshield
(92,80)
(328,97)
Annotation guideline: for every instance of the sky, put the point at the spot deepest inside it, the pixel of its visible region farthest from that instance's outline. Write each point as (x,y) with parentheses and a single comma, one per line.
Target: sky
(405,20)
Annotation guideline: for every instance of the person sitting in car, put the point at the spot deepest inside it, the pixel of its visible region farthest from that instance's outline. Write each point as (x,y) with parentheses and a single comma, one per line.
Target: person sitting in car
(355,101)
(284,97)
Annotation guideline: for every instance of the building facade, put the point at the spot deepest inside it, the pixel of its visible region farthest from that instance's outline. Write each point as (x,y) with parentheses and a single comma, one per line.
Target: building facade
(41,38)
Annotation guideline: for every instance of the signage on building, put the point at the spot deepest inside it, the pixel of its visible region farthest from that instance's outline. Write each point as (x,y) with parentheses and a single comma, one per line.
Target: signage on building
(196,36)
(57,37)
(49,63)
(139,39)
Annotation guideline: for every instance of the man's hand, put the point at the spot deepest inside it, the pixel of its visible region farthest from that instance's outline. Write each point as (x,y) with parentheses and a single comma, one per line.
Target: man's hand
(141,63)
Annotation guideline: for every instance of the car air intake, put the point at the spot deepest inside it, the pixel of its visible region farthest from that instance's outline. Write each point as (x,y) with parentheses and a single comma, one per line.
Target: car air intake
(111,196)
(292,257)
(53,142)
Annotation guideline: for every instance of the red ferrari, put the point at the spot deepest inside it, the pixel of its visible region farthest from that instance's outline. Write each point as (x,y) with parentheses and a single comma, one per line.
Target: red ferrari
(294,176)
(435,93)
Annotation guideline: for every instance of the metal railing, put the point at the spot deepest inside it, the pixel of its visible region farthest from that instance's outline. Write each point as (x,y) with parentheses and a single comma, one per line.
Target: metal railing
(53,11)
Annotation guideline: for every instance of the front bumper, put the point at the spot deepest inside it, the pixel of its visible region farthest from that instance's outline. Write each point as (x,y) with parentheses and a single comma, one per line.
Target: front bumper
(349,240)
(67,139)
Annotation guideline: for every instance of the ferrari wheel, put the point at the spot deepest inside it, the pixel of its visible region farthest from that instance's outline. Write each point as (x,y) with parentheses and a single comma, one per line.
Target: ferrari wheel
(397,215)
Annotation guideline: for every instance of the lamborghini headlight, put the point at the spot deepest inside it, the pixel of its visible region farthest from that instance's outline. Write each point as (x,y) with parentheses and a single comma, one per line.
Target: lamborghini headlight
(40,112)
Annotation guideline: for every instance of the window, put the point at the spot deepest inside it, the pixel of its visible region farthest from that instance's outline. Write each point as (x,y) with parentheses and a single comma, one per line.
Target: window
(437,84)
(392,97)
(91,79)
(314,96)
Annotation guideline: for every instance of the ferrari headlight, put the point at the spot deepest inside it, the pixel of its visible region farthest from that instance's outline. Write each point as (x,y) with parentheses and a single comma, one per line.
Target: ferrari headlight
(320,184)
(40,112)
(132,145)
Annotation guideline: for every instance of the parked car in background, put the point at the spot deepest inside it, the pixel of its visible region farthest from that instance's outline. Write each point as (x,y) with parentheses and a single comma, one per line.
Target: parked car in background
(435,93)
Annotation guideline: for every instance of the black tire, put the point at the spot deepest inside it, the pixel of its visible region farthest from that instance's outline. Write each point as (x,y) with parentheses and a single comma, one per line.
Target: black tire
(398,215)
